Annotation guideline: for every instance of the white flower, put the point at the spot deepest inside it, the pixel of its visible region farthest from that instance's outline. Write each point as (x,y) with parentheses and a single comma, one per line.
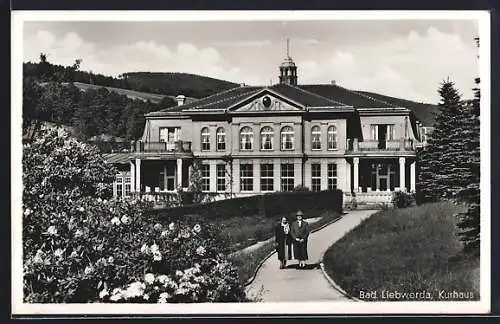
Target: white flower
(178,273)
(81,209)
(135,289)
(200,250)
(144,249)
(99,199)
(162,279)
(52,230)
(88,270)
(116,295)
(78,233)
(73,254)
(111,259)
(154,248)
(149,278)
(164,234)
(157,256)
(197,228)
(115,221)
(38,257)
(103,293)
(146,297)
(163,298)
(171,226)
(58,253)
(27,212)
(157,227)
(40,196)
(125,219)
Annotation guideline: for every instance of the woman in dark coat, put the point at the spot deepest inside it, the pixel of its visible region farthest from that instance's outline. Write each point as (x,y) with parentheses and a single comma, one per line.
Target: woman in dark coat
(300,233)
(283,241)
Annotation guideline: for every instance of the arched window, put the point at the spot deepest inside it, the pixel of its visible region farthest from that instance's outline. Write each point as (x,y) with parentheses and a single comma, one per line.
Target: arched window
(246,138)
(316,138)
(332,138)
(221,139)
(287,138)
(205,139)
(266,138)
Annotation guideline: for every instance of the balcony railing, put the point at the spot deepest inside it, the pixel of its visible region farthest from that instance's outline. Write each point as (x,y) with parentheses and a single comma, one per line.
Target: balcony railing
(374,145)
(161,147)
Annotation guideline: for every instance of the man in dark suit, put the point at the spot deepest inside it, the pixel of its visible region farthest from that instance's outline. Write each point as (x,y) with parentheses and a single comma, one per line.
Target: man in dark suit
(299,231)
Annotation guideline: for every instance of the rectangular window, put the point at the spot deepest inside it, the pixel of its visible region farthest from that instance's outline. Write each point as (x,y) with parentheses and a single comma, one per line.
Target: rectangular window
(169,134)
(205,177)
(119,186)
(287,177)
(267,177)
(127,186)
(332,176)
(374,132)
(316,177)
(246,177)
(221,177)
(391,134)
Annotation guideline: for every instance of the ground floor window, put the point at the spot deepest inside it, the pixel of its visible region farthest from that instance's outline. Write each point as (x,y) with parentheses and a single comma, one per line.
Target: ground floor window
(205,177)
(221,177)
(287,177)
(128,186)
(167,180)
(332,176)
(123,185)
(266,177)
(316,177)
(246,177)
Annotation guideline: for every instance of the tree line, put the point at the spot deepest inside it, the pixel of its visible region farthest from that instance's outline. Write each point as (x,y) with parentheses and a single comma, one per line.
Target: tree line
(190,85)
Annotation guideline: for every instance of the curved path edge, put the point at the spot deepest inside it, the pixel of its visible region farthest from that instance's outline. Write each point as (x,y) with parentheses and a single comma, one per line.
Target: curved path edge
(251,279)
(335,285)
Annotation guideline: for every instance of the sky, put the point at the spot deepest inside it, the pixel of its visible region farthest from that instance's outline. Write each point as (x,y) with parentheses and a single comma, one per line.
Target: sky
(402,58)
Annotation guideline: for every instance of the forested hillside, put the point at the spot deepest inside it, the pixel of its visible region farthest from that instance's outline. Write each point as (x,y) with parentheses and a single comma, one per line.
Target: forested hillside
(101,104)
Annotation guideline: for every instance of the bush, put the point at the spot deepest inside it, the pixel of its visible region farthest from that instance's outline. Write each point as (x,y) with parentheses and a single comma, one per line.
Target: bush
(271,205)
(401,199)
(79,247)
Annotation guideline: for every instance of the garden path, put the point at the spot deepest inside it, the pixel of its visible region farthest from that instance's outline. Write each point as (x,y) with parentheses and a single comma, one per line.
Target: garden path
(275,285)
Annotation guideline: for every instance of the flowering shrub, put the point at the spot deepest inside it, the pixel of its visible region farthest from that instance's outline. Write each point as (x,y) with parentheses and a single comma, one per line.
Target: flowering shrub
(80,247)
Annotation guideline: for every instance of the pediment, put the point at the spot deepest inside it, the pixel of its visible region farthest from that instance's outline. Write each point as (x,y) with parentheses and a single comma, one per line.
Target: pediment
(266,101)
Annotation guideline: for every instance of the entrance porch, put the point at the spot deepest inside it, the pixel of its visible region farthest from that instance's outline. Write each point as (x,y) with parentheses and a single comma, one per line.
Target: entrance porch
(159,176)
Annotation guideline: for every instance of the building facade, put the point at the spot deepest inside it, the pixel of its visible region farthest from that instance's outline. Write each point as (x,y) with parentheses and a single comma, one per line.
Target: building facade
(251,140)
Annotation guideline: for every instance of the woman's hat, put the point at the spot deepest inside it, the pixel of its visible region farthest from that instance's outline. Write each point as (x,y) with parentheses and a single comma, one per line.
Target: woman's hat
(299,213)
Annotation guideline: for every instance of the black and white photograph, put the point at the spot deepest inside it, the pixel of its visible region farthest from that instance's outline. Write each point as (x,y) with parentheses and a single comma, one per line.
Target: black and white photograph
(250,162)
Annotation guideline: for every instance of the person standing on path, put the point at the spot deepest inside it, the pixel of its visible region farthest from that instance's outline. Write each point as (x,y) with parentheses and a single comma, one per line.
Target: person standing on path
(283,241)
(299,231)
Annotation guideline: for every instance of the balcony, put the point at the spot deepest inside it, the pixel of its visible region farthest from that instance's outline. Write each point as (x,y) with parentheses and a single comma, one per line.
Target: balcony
(161,147)
(376,146)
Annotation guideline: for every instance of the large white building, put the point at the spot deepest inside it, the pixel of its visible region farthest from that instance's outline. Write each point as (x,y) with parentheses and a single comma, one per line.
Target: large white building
(257,139)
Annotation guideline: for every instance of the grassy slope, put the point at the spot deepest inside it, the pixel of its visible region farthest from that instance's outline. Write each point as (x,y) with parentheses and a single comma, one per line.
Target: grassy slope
(414,249)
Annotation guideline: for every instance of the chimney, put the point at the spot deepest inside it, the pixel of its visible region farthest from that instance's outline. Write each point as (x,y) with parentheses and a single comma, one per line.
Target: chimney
(333,82)
(180,99)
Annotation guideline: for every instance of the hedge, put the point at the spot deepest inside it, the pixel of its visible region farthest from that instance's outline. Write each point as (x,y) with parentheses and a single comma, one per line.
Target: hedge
(271,205)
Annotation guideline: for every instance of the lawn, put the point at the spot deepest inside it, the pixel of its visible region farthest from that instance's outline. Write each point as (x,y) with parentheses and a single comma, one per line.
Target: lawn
(405,254)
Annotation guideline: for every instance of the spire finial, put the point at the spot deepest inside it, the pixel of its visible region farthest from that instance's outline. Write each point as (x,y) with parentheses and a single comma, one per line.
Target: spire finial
(287,47)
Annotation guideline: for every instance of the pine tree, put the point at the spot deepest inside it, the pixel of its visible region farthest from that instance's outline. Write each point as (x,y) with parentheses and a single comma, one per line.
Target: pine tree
(469,221)
(437,180)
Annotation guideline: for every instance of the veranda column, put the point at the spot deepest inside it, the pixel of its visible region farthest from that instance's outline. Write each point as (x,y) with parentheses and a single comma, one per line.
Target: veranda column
(132,176)
(138,175)
(356,174)
(179,173)
(413,176)
(402,174)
